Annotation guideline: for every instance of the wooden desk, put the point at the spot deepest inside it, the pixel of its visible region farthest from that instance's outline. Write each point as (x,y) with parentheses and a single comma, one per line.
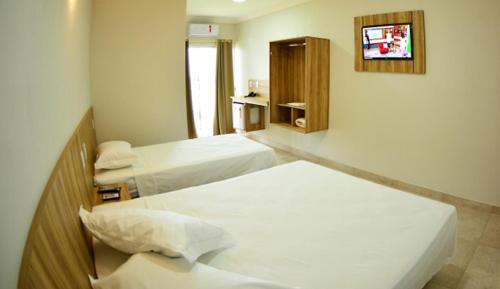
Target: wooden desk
(257,100)
(250,103)
(124,195)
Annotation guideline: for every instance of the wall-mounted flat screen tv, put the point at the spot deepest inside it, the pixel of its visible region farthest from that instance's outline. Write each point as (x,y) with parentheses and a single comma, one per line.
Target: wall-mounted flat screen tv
(388,42)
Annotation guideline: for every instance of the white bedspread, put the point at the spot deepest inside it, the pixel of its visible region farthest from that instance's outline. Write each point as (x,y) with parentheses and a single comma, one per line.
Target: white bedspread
(176,165)
(312,227)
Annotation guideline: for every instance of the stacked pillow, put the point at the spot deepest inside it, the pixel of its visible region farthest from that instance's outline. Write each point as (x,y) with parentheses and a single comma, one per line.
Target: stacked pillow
(115,155)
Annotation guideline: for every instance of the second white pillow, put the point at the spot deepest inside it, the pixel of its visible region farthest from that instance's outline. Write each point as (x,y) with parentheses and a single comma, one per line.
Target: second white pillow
(142,230)
(115,155)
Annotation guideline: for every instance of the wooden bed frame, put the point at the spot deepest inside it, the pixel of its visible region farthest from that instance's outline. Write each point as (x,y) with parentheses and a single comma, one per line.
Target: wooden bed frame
(58,252)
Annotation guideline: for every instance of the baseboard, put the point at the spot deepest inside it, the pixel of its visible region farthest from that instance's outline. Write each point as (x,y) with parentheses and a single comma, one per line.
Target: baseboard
(403,186)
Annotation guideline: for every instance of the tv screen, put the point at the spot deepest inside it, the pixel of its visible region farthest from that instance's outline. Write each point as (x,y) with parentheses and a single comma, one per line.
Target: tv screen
(388,42)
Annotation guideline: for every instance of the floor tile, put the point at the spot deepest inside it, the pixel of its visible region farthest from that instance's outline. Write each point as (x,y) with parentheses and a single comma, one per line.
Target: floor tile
(434,286)
(491,235)
(478,281)
(464,251)
(485,260)
(483,271)
(449,276)
(285,157)
(471,223)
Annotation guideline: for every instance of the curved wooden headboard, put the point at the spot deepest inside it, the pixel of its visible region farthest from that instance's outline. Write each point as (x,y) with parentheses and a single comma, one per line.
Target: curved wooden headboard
(58,252)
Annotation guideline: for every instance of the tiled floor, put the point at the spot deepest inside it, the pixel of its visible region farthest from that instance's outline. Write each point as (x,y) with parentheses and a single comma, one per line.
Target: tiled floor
(476,263)
(285,157)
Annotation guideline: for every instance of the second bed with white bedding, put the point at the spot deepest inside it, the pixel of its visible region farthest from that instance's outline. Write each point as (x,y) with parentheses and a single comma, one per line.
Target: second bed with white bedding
(308,226)
(176,165)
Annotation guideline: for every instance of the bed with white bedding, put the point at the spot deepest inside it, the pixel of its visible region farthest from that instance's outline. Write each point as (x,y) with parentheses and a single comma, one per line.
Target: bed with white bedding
(181,164)
(311,227)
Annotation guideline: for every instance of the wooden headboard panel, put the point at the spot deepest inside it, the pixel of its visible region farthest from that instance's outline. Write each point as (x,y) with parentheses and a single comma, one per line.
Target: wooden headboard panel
(58,252)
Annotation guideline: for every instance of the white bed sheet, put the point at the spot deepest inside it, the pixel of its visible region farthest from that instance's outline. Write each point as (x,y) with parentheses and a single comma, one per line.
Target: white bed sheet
(176,165)
(312,227)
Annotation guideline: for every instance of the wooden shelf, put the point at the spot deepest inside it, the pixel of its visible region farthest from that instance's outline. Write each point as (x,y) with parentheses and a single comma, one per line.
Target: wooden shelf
(289,126)
(292,106)
(300,73)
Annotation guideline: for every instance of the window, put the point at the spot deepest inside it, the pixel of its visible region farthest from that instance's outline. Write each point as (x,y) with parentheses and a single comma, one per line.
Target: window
(202,66)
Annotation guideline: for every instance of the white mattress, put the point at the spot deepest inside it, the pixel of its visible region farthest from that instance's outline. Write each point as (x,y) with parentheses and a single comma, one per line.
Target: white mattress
(176,165)
(308,226)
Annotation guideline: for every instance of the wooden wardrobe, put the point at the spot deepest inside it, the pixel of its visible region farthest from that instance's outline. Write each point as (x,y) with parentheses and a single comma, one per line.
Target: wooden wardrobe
(300,73)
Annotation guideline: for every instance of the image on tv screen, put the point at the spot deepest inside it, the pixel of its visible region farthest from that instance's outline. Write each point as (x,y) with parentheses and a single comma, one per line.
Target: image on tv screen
(387,42)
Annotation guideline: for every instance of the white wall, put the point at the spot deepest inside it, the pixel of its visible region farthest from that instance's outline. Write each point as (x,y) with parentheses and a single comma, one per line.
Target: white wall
(44,90)
(137,70)
(440,130)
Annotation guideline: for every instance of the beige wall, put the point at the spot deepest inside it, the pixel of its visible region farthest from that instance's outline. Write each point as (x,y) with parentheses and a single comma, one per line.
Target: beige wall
(440,130)
(44,90)
(227,31)
(137,70)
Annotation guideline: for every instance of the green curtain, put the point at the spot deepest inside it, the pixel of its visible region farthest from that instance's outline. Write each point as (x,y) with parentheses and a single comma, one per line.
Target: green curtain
(223,121)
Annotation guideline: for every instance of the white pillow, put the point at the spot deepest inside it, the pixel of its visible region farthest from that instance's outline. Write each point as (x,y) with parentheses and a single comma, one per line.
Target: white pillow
(142,230)
(152,271)
(114,155)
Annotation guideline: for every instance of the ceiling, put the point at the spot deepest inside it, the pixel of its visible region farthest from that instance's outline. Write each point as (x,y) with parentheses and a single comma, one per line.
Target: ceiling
(227,11)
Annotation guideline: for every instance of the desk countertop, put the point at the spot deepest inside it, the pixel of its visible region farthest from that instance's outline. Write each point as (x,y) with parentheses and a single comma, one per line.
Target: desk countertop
(258,100)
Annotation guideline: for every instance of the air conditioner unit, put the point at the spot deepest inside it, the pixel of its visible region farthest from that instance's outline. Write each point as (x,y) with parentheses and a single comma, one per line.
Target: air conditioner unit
(203,30)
